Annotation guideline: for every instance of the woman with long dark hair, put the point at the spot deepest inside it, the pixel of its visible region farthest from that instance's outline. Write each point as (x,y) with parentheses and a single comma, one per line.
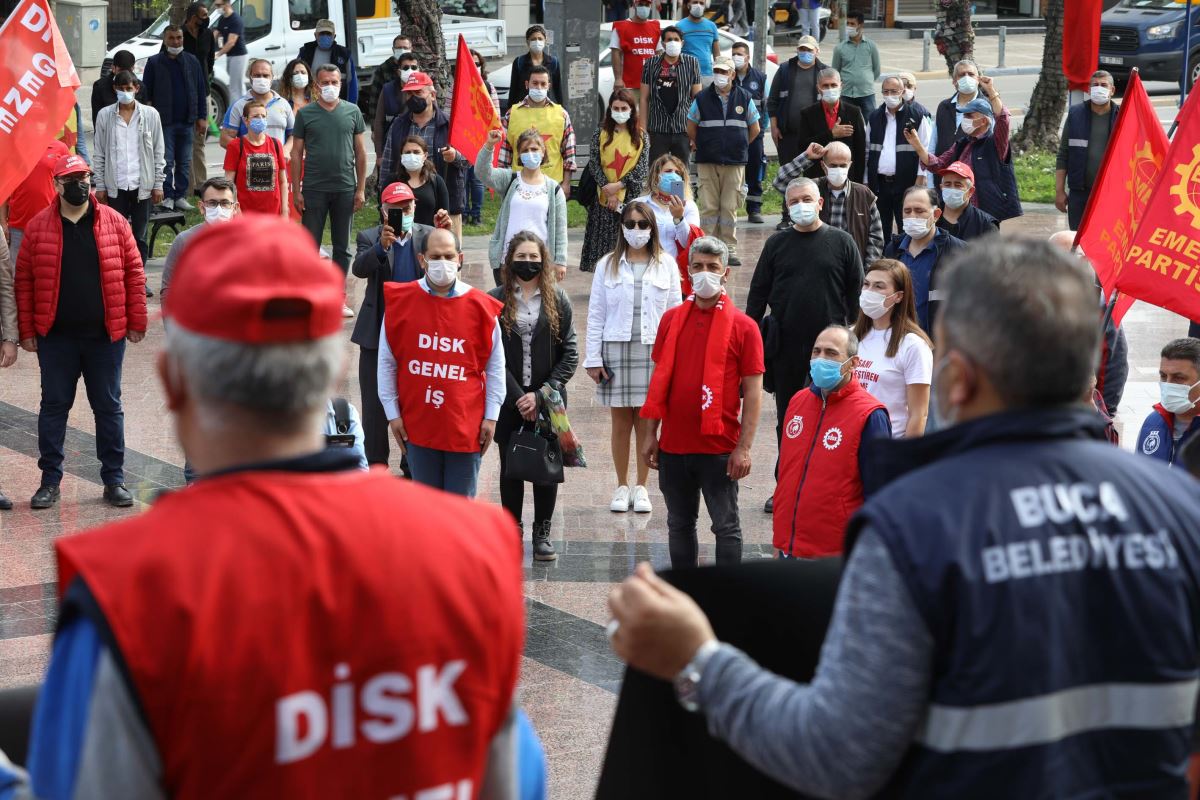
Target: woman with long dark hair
(538,333)
(620,158)
(427,186)
(296,84)
(895,354)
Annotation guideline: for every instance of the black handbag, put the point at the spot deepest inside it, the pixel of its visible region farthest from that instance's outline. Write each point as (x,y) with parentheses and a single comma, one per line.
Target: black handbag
(534,456)
(586,193)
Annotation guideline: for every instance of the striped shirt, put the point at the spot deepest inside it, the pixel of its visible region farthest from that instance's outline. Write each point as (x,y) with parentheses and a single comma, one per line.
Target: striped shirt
(567,148)
(670,94)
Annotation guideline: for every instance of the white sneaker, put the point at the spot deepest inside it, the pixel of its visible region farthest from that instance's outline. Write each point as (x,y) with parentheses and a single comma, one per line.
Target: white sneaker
(167,203)
(641,500)
(347,312)
(620,501)
(181,204)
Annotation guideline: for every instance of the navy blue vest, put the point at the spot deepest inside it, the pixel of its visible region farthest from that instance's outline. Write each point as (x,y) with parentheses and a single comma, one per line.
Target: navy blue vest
(995,180)
(1079,126)
(723,136)
(393,103)
(907,162)
(1057,576)
(338,56)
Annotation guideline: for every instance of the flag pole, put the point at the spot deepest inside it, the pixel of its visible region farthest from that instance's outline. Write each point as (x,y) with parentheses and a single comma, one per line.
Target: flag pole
(1187,48)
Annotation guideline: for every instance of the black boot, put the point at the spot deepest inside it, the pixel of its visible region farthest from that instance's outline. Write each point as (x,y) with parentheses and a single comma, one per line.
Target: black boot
(542,549)
(5,503)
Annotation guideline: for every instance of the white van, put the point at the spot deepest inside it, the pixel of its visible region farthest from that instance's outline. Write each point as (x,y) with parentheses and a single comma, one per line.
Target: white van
(277,29)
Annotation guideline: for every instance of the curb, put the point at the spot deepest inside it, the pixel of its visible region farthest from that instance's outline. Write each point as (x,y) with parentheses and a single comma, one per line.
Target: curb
(932,75)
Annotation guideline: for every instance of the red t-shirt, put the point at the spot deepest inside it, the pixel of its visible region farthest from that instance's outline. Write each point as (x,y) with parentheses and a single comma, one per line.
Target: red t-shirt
(638,42)
(256,174)
(37,190)
(681,425)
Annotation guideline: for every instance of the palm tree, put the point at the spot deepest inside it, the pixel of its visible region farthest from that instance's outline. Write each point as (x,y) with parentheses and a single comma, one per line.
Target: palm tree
(954,34)
(1040,129)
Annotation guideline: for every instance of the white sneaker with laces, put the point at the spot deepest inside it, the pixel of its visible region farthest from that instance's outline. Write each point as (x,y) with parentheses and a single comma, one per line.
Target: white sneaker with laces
(181,204)
(620,501)
(167,203)
(641,500)
(347,312)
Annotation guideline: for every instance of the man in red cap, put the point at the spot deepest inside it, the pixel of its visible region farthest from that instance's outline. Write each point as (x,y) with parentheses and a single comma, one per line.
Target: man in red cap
(386,253)
(422,117)
(81,293)
(281,628)
(960,217)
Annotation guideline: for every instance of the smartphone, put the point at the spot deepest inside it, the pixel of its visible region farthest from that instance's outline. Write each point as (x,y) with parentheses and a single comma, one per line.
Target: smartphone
(676,185)
(910,125)
(395,220)
(608,373)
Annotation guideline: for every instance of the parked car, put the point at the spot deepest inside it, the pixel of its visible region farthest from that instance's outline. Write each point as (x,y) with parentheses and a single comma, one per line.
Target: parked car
(1149,35)
(501,76)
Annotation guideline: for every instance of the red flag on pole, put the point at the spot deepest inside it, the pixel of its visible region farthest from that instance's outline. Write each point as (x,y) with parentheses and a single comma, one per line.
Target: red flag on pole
(1162,265)
(37,89)
(1081,41)
(1127,176)
(472,114)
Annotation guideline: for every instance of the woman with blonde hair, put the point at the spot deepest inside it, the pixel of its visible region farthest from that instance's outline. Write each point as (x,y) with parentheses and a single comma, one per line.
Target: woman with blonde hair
(633,287)
(895,355)
(670,199)
(531,201)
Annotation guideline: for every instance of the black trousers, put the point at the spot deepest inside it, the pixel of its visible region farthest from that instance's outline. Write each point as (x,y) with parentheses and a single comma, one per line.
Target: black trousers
(377,437)
(789,379)
(677,144)
(788,148)
(1076,204)
(890,202)
(683,479)
(125,202)
(512,491)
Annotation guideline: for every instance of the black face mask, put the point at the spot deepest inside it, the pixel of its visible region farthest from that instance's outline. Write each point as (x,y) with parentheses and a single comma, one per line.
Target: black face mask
(527,270)
(76,192)
(417,104)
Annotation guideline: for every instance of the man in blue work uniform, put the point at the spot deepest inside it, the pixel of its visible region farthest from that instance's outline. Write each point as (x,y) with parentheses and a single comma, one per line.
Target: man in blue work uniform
(1020,598)
(1173,421)
(754,82)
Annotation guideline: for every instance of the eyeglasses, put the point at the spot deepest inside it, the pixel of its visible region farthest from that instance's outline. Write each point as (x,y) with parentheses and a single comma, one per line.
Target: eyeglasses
(225,204)
(640,224)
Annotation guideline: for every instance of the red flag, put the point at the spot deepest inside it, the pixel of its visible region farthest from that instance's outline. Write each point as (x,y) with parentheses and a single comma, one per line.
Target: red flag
(1127,176)
(37,89)
(1162,265)
(472,114)
(1081,48)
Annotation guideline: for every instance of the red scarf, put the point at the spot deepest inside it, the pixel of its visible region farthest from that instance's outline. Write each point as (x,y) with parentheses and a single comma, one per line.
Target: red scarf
(684,256)
(715,356)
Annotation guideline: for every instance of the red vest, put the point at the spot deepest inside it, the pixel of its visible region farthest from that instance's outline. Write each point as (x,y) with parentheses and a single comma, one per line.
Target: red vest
(638,41)
(441,346)
(819,486)
(294,634)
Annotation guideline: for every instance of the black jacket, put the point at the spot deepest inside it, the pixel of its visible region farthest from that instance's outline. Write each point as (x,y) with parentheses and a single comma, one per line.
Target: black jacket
(520,73)
(554,359)
(973,223)
(105,94)
(367,264)
(814,128)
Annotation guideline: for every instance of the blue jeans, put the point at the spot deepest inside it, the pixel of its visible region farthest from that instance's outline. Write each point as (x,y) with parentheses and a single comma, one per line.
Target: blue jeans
(457,473)
(177,140)
(62,360)
(474,195)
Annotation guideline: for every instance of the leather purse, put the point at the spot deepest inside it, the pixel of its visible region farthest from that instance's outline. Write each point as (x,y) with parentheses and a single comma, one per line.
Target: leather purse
(534,455)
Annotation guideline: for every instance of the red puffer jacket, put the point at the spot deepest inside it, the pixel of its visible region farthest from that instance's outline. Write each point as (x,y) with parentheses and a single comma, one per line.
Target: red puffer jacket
(39,272)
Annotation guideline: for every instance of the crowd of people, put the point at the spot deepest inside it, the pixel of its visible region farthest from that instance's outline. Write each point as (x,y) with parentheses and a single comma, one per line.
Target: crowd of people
(886,306)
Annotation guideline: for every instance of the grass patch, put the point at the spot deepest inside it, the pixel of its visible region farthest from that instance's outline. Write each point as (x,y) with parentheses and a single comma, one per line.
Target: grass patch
(1035,176)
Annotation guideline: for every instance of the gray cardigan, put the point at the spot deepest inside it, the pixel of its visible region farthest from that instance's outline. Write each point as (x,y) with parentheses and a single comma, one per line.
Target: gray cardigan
(504,181)
(8,299)
(153,153)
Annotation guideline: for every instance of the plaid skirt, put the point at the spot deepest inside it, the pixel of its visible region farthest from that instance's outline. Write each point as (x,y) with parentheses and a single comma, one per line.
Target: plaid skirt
(631,367)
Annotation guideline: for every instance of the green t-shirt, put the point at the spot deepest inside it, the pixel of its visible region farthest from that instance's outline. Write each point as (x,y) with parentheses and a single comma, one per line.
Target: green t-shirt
(329,146)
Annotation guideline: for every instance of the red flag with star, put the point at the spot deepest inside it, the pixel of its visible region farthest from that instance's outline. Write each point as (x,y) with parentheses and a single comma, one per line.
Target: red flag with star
(472,114)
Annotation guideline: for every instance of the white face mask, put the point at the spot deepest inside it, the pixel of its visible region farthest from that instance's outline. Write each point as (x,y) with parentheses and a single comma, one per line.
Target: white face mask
(397,52)
(673,48)
(892,101)
(706,285)
(125,98)
(967,85)
(909,94)
(872,303)
(404,75)
(697,10)
(968,126)
(853,31)
(330,93)
(174,50)
(299,80)
(217,214)
(636,238)
(441,272)
(739,61)
(537,46)
(831,95)
(412,161)
(538,95)
(621,117)
(1099,95)
(720,81)
(643,12)
(955,198)
(1174,397)
(916,227)
(260,85)
(803,213)
(837,176)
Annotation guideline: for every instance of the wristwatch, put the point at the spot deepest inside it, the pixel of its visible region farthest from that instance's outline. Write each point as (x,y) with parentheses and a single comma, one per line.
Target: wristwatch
(687,682)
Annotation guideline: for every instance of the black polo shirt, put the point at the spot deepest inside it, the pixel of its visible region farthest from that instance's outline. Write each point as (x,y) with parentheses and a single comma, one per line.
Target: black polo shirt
(80,302)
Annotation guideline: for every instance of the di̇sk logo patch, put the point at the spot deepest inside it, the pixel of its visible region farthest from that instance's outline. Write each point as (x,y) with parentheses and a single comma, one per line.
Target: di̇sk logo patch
(1152,443)
(795,427)
(706,397)
(832,439)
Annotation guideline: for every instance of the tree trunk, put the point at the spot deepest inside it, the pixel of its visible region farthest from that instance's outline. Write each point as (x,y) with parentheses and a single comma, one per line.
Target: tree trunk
(1040,129)
(178,9)
(422,20)
(954,34)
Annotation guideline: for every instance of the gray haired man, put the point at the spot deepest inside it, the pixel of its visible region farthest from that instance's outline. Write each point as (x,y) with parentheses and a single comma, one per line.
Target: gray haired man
(708,359)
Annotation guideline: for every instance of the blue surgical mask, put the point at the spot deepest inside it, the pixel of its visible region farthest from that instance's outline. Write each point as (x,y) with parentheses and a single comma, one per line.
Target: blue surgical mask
(826,373)
(803,213)
(406,223)
(125,98)
(531,159)
(807,57)
(258,125)
(955,198)
(643,12)
(538,95)
(325,41)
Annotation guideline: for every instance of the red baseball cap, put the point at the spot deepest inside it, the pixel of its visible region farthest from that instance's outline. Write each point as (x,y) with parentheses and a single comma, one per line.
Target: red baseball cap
(397,193)
(257,279)
(70,163)
(961,168)
(418,80)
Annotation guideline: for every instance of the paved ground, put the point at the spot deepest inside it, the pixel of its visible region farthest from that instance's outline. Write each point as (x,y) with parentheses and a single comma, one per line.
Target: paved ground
(569,677)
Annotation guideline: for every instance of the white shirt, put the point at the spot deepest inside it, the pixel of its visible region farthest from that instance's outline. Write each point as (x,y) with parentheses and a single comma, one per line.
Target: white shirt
(887,153)
(888,379)
(668,232)
(388,373)
(128,166)
(528,211)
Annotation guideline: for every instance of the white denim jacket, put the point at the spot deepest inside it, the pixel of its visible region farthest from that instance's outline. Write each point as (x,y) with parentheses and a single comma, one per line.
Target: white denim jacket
(610,309)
